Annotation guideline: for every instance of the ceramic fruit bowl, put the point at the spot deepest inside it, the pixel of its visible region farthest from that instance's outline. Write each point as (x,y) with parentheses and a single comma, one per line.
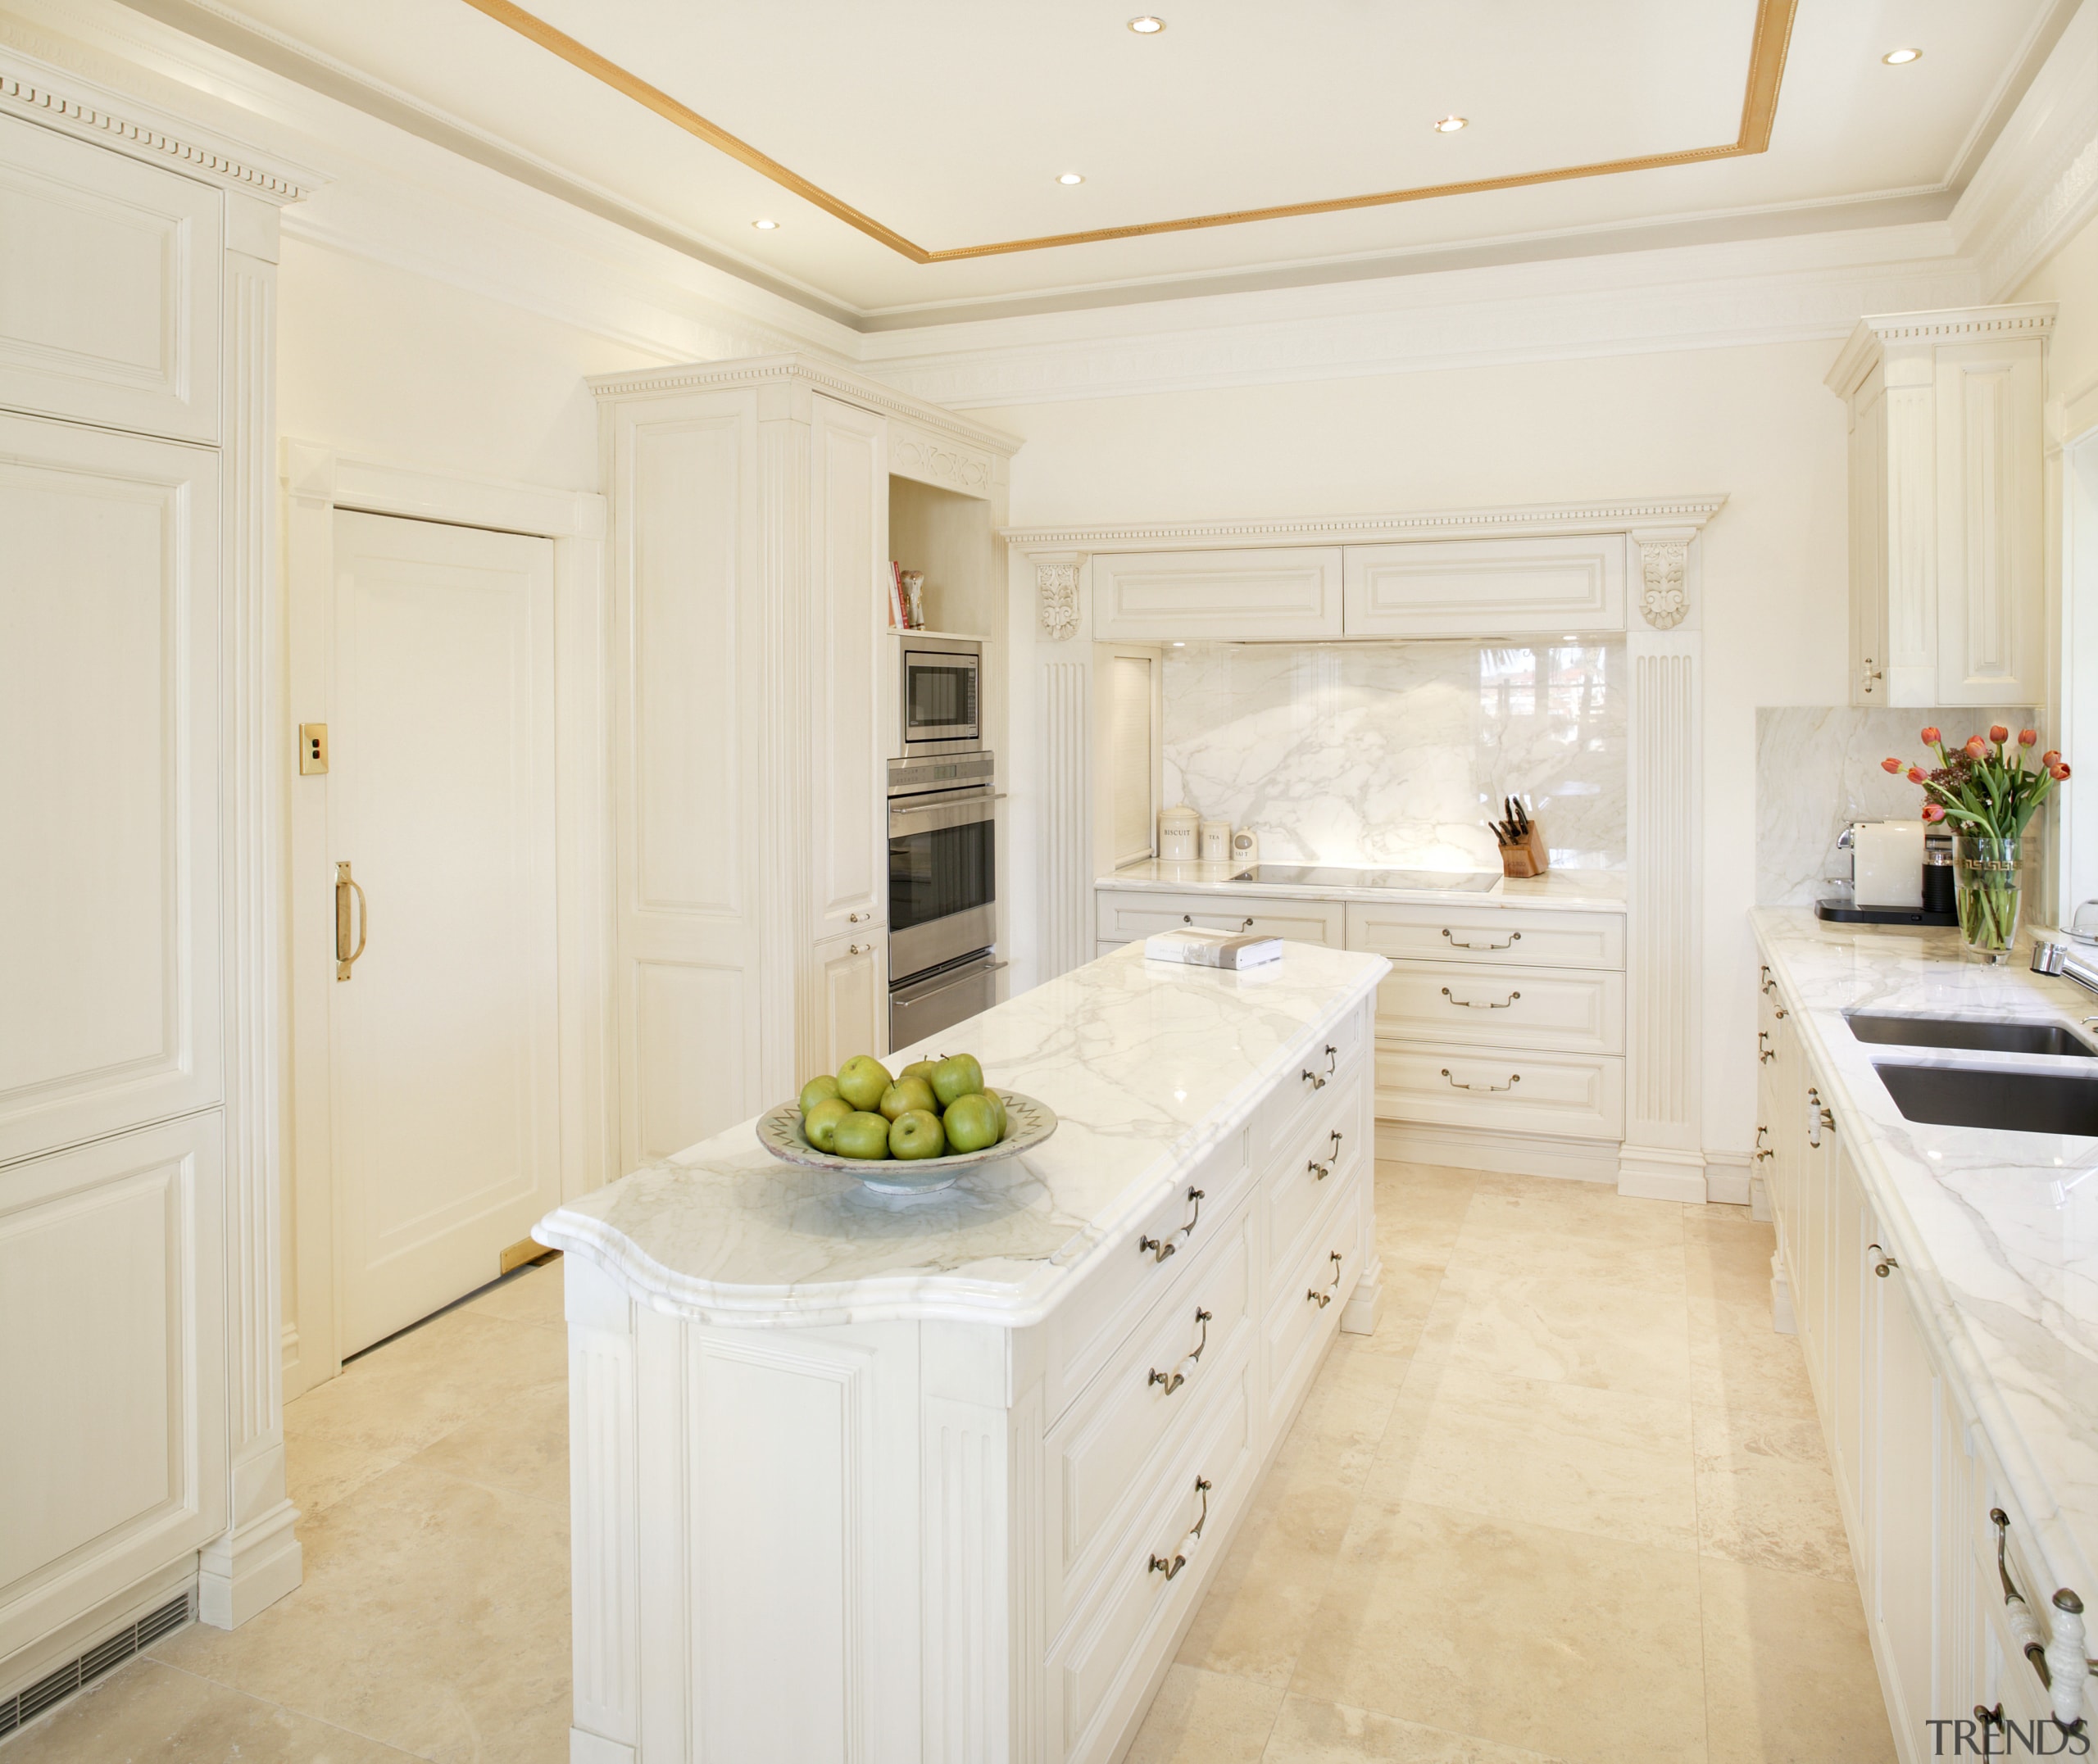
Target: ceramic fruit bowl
(1028,1124)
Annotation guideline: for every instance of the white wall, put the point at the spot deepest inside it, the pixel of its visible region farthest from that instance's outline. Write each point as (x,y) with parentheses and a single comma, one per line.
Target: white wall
(1755,423)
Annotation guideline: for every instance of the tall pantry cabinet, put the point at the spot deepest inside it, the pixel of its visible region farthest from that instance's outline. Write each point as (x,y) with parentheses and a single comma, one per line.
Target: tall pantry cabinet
(142,1457)
(754,703)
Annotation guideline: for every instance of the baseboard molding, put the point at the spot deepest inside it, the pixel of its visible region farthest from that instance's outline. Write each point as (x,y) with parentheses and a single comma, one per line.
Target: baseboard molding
(1729,1179)
(586,1747)
(248,1571)
(1578,1160)
(1650,1173)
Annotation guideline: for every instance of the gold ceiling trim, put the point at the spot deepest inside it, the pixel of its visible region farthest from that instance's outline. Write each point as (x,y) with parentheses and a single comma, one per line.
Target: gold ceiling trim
(1759,109)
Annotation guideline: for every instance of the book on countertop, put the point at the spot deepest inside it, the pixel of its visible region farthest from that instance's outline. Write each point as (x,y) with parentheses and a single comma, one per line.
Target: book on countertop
(898,619)
(1193,946)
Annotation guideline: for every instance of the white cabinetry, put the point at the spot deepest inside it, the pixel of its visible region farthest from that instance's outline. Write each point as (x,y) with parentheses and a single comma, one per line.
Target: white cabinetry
(141,1456)
(1486,588)
(1162,597)
(1947,568)
(750,509)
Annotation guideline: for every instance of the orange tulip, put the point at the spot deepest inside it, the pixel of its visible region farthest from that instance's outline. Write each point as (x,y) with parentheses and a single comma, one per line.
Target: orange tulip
(2028,737)
(2058,771)
(1930,738)
(1998,733)
(1917,776)
(1890,765)
(2050,756)
(1933,811)
(1976,748)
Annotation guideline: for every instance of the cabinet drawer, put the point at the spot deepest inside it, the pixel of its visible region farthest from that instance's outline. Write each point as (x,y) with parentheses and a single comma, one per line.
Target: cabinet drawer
(1150,597)
(1301,1181)
(1167,1375)
(1464,587)
(1086,1330)
(1307,1297)
(1100,1667)
(1488,1004)
(1125,915)
(1326,1070)
(1580,1097)
(1508,937)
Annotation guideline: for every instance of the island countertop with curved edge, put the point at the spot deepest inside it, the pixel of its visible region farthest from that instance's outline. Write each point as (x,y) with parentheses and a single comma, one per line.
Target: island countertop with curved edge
(1149,1067)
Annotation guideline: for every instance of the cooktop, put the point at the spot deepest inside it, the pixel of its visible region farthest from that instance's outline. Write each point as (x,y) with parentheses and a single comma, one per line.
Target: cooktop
(1333,876)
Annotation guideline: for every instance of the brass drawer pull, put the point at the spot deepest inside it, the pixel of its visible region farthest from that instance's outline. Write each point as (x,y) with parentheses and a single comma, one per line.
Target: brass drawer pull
(1514,937)
(1480,1003)
(1882,1263)
(346,885)
(1815,1116)
(1514,1078)
(2061,1664)
(1159,1564)
(1762,1150)
(1174,1379)
(1323,1299)
(1318,1080)
(1320,1172)
(1158,1248)
(1764,1050)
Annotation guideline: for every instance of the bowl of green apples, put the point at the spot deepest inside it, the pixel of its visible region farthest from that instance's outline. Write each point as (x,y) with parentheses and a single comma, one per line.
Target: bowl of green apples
(908,1134)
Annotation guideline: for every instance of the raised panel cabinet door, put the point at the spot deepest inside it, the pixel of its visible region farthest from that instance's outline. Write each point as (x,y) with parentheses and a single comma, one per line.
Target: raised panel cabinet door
(109,783)
(1990,594)
(847,818)
(1909,1423)
(112,1305)
(109,286)
(445,1032)
(854,1000)
(1849,1232)
(1486,587)
(1178,595)
(1869,656)
(688,671)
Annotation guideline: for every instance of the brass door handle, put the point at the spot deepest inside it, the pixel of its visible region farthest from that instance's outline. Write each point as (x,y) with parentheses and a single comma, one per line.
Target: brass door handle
(346,885)
(1480,1003)
(1514,1078)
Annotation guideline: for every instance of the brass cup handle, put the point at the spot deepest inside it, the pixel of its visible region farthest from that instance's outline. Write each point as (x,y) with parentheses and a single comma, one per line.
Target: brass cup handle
(346,885)
(1159,1564)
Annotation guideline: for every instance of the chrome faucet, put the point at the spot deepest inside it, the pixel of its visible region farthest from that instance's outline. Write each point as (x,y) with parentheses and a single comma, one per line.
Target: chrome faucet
(2060,958)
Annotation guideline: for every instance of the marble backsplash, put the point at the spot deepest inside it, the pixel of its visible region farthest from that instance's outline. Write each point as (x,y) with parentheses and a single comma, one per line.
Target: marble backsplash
(1397,753)
(1817,767)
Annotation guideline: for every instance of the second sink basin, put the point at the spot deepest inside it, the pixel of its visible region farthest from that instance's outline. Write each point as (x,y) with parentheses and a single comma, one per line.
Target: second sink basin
(1972,1034)
(2003,1102)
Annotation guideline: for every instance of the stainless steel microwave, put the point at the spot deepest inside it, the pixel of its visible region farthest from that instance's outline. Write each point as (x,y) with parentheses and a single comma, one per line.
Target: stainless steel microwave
(943,696)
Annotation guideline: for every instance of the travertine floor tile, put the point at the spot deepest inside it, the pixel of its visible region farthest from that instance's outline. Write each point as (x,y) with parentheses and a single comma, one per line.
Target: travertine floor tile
(1766,1493)
(1504,1240)
(1788,1672)
(1733,1271)
(1611,1336)
(434,1616)
(522,1448)
(1328,1733)
(533,1295)
(1205,1718)
(1549,1641)
(1605,1463)
(1738,1362)
(146,1712)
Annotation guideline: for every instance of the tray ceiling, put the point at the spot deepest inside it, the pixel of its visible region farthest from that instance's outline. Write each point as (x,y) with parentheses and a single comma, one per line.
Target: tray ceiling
(909,153)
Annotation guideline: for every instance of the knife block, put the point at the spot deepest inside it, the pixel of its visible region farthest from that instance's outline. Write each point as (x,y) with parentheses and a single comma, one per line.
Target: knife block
(1529,858)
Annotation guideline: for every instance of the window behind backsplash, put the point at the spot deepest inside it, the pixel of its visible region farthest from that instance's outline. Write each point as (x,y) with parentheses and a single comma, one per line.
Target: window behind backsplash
(1398,753)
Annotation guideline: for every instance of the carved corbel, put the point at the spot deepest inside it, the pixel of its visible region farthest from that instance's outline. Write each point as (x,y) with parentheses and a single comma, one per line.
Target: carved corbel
(1663,575)
(1056,593)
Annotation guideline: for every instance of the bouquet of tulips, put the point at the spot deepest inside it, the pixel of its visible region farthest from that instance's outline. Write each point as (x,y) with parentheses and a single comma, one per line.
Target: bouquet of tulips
(1988,796)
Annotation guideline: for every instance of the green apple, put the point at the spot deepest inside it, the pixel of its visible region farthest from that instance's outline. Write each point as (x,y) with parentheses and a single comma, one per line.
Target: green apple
(861,1079)
(972,1122)
(816,1090)
(820,1123)
(998,1103)
(921,1068)
(861,1134)
(957,1075)
(906,1095)
(917,1133)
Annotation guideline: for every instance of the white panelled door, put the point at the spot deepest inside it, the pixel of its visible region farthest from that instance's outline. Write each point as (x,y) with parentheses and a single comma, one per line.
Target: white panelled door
(445,1082)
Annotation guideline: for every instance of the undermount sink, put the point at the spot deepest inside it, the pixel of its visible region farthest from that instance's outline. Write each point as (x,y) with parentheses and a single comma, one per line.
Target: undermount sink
(2002,1101)
(1970,1034)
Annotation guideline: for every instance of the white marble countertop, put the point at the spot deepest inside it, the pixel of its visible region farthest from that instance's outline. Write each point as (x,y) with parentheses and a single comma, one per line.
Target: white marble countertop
(1999,1231)
(1148,1067)
(1590,889)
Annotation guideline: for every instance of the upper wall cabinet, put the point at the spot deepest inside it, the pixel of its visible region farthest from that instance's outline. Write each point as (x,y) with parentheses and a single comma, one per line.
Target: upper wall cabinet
(1947,592)
(1176,596)
(1486,588)
(109,287)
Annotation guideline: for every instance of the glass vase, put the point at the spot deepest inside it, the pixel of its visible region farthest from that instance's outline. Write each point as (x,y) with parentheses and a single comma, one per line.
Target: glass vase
(1985,879)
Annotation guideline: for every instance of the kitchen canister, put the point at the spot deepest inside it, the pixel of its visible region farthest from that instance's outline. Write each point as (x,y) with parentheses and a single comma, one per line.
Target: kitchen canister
(1216,842)
(1245,846)
(1177,831)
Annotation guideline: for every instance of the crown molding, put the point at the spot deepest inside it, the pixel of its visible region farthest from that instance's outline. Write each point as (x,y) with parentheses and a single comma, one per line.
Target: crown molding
(1686,514)
(61,99)
(822,376)
(1877,332)
(2038,185)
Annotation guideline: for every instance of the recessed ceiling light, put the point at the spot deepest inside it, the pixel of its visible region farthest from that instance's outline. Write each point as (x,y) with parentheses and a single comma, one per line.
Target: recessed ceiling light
(1450,125)
(1071,177)
(1147,26)
(766,226)
(1901,58)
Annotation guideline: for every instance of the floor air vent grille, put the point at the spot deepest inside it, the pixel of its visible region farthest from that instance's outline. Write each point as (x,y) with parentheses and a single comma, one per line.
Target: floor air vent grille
(55,1687)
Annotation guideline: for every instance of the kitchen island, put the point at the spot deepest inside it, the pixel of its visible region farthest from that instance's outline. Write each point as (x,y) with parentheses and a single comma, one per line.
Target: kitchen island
(943,1478)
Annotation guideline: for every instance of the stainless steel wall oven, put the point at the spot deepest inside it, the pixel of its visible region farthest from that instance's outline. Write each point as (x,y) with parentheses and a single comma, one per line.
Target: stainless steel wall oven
(942,893)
